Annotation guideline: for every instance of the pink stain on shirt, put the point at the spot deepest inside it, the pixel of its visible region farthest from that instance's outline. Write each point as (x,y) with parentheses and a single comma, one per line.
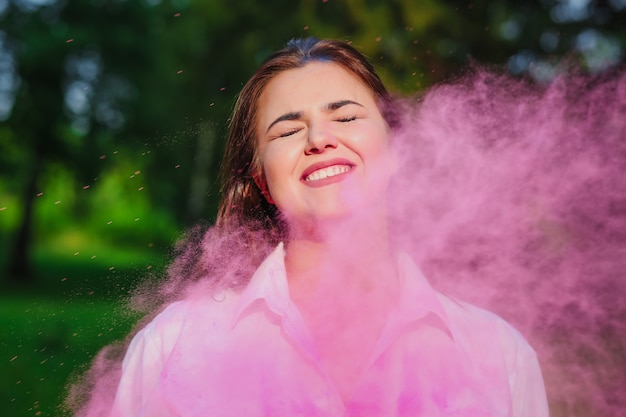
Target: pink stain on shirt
(251,354)
(511,197)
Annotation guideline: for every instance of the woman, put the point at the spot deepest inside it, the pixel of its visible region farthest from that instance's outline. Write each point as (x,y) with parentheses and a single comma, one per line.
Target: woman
(334,321)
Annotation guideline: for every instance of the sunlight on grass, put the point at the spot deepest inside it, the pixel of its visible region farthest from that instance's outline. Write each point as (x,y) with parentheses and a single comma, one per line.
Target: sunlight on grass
(76,246)
(74,266)
(54,328)
(44,341)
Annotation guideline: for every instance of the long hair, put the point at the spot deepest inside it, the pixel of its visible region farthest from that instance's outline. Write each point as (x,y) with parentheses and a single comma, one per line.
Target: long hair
(242,200)
(247,226)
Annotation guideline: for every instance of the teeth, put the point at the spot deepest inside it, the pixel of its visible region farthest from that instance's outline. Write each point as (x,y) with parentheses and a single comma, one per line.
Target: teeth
(331,171)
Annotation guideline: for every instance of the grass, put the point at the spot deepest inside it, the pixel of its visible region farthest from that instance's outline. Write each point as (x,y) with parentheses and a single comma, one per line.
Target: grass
(53,329)
(44,341)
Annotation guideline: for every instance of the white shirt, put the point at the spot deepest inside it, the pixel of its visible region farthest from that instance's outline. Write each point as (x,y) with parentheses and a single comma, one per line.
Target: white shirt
(250,354)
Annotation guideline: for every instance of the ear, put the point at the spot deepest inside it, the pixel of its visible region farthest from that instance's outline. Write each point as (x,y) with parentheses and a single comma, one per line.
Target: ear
(262,184)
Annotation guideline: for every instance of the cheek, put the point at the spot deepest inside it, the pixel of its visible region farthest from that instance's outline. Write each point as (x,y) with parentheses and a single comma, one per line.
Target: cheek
(269,165)
(276,166)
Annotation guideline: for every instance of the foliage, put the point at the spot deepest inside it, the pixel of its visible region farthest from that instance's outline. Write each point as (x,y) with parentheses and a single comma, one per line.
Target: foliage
(153,82)
(113,114)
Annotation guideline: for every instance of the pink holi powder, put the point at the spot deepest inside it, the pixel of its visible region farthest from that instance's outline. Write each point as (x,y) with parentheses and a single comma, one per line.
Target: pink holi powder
(515,196)
(511,197)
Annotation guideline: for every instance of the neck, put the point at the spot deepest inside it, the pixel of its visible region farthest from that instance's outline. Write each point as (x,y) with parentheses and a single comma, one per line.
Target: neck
(348,260)
(344,284)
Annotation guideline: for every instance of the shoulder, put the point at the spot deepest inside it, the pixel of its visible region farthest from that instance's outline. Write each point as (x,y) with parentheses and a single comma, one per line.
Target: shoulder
(481,328)
(170,317)
(497,345)
(159,336)
(156,339)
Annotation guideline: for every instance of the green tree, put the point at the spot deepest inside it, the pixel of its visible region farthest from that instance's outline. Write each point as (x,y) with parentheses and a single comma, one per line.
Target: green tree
(160,77)
(71,71)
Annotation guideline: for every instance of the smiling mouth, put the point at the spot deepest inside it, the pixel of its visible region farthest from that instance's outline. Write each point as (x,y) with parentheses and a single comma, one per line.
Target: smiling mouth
(327,172)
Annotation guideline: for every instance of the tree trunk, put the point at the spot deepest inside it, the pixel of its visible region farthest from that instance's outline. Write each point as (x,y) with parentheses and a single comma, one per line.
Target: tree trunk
(201,181)
(20,267)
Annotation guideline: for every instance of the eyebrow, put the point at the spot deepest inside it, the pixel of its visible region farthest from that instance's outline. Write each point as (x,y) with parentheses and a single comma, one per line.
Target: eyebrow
(288,116)
(335,105)
(339,104)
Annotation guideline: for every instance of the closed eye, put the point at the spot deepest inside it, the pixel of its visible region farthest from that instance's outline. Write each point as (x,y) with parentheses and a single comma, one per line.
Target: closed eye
(289,133)
(346,119)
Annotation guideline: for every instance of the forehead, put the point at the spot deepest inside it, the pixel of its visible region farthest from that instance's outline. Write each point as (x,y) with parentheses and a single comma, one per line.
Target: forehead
(315,84)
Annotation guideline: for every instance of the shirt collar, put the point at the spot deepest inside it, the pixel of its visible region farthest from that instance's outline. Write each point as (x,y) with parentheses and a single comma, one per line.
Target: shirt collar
(269,283)
(417,297)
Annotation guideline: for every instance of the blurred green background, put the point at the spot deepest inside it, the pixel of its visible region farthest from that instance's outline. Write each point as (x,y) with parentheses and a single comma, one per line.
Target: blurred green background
(112,119)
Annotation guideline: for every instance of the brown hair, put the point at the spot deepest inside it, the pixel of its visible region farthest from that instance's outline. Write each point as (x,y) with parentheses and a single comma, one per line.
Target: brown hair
(247,225)
(242,199)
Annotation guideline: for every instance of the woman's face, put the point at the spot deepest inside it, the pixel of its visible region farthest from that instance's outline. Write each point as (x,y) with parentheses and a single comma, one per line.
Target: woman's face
(323,143)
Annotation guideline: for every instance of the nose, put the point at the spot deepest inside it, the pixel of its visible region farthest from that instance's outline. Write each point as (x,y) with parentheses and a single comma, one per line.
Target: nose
(320,140)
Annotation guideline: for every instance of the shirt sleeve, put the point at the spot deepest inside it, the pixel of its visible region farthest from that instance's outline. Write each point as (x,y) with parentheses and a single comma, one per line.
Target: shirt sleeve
(528,393)
(144,361)
(528,390)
